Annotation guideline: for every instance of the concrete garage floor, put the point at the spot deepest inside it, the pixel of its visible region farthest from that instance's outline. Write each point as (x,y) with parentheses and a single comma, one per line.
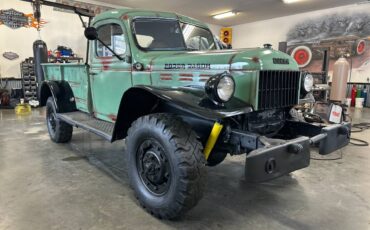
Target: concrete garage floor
(83,185)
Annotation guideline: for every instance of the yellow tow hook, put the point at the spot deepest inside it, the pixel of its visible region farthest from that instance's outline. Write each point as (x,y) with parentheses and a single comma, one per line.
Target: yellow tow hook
(213,136)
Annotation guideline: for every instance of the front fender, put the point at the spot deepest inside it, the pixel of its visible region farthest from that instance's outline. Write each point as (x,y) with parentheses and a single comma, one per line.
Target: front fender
(193,100)
(188,101)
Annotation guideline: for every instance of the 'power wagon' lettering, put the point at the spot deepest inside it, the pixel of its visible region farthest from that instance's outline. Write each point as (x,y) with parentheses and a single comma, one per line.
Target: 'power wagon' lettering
(187,66)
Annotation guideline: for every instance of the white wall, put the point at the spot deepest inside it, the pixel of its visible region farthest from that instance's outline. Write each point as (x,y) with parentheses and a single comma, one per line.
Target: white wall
(275,30)
(215,29)
(61,29)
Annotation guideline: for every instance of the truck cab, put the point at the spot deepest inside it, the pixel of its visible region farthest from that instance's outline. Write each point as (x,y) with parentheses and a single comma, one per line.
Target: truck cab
(158,80)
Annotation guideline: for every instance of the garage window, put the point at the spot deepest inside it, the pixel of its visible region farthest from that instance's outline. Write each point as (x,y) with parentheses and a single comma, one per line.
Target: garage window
(112,35)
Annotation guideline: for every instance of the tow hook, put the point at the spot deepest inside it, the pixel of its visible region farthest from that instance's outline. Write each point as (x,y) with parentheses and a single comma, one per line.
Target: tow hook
(295,148)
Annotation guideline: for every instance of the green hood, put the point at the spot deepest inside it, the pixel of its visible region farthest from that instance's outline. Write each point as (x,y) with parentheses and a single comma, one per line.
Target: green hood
(176,69)
(221,60)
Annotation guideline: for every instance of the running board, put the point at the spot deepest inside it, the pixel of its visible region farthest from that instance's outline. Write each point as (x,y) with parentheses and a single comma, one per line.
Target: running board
(85,121)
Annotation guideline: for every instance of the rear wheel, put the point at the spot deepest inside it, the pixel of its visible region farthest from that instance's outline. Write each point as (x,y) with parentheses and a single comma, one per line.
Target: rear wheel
(166,165)
(302,55)
(59,131)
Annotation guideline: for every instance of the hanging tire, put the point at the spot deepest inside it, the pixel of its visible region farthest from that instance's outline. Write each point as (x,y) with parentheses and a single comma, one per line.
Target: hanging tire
(166,165)
(59,131)
(360,47)
(302,55)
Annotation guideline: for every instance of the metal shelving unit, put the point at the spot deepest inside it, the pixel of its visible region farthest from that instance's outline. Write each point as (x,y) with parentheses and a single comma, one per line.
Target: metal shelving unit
(29,80)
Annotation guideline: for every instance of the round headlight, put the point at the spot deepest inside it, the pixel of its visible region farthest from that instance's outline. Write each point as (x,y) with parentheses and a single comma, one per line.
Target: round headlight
(220,88)
(308,83)
(225,88)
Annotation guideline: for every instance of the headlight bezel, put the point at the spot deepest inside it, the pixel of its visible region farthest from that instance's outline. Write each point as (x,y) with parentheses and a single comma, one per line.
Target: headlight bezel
(211,88)
(308,77)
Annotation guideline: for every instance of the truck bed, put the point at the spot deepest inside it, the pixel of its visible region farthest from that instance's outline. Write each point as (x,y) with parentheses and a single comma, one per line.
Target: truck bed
(77,77)
(71,72)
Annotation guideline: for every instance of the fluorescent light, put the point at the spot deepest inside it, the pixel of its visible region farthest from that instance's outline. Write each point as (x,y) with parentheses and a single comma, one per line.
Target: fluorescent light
(225,15)
(291,1)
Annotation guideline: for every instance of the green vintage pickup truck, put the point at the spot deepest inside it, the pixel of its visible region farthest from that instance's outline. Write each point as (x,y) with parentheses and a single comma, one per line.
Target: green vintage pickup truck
(158,80)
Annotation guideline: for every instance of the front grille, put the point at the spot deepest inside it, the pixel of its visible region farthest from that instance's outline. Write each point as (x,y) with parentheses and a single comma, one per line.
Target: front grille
(278,89)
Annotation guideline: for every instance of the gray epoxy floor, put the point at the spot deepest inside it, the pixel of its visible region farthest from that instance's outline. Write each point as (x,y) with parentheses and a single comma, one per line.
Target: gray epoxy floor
(83,185)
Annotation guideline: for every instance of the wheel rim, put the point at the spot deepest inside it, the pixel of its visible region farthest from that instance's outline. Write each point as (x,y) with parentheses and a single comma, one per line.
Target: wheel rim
(301,56)
(153,167)
(51,119)
(361,47)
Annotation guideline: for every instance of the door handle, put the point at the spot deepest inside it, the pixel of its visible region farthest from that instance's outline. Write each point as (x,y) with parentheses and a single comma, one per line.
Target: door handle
(93,74)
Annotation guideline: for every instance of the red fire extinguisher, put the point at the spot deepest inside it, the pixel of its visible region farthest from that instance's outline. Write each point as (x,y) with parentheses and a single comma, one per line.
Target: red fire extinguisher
(353,95)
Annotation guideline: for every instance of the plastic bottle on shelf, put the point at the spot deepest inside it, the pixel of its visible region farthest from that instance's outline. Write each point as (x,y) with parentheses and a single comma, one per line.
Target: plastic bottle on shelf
(353,95)
(364,95)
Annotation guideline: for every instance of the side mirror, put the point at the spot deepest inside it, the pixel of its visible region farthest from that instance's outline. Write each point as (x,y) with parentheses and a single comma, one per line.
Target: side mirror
(91,33)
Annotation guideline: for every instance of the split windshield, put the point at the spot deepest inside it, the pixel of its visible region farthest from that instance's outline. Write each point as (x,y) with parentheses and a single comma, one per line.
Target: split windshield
(161,34)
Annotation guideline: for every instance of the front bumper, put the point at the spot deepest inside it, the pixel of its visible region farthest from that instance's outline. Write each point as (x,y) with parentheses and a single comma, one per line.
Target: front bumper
(272,158)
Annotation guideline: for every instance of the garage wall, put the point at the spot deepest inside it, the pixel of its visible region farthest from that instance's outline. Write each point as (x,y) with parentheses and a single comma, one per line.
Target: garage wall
(215,29)
(275,30)
(61,29)
(344,21)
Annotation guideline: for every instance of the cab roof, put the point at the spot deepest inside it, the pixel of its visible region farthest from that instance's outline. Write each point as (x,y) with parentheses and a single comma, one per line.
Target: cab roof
(132,13)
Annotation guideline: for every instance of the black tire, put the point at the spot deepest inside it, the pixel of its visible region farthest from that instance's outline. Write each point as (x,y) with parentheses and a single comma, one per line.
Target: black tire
(59,131)
(173,180)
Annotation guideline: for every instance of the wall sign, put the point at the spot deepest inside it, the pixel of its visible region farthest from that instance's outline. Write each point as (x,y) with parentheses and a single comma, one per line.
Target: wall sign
(15,19)
(10,55)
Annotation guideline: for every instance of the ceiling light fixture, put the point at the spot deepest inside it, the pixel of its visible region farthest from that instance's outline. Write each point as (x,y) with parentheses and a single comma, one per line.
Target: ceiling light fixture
(291,1)
(225,15)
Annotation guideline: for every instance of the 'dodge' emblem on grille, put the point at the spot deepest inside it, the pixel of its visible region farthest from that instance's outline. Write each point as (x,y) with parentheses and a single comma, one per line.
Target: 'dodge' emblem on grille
(280,61)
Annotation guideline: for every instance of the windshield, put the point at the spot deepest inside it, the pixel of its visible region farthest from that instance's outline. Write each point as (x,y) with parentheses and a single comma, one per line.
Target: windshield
(197,38)
(168,34)
(159,34)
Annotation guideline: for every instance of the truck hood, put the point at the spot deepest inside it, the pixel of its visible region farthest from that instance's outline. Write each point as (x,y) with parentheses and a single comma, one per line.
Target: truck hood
(222,60)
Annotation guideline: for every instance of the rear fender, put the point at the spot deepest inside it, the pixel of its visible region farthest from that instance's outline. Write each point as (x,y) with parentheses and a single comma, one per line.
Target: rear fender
(62,95)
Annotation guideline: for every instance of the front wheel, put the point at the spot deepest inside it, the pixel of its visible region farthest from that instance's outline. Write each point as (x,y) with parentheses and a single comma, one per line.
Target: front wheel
(166,165)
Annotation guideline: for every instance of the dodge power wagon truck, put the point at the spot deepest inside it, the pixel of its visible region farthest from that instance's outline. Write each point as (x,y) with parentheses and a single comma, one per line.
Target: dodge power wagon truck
(157,80)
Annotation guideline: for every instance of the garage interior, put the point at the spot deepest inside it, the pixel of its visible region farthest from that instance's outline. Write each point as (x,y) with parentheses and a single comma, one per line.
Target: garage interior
(83,184)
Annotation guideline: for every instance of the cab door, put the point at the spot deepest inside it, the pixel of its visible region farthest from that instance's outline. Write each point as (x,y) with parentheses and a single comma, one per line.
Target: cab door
(109,76)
